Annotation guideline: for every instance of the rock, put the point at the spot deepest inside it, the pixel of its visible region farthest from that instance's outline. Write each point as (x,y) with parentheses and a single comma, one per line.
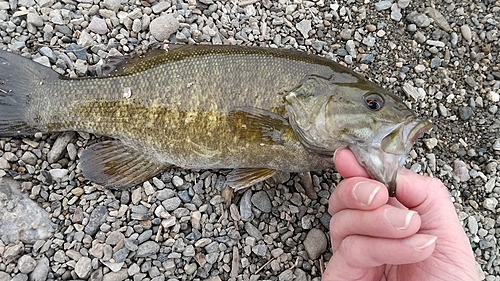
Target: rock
(97,218)
(21,219)
(83,266)
(26,264)
(253,231)
(59,146)
(466,33)
(490,204)
(4,276)
(261,201)
(403,3)
(383,5)
(439,19)
(34,19)
(246,205)
(260,250)
(162,27)
(116,276)
(304,26)
(493,96)
(58,174)
(147,249)
(472,225)
(177,181)
(496,144)
(29,158)
(41,270)
(465,112)
(315,243)
(419,19)
(160,7)
(98,25)
(460,170)
(113,5)
(171,203)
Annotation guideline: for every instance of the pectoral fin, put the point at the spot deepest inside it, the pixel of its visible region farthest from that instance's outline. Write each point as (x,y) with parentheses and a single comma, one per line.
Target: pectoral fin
(257,124)
(115,165)
(242,178)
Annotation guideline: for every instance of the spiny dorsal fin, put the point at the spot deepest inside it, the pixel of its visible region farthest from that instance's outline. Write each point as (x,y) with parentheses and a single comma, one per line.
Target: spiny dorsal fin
(242,178)
(115,165)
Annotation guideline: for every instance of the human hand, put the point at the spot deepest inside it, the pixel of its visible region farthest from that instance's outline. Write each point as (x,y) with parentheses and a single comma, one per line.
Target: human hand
(375,237)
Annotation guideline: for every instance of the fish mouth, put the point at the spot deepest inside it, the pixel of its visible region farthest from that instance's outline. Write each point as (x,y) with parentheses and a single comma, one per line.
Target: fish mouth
(396,146)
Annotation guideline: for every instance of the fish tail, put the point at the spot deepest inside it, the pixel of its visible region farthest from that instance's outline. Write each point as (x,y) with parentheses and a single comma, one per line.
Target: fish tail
(19,79)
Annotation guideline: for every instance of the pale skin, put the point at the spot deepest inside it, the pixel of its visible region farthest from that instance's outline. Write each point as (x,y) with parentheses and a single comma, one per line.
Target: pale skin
(415,236)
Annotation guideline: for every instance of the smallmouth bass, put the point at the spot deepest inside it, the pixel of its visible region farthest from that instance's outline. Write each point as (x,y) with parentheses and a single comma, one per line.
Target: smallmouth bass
(253,110)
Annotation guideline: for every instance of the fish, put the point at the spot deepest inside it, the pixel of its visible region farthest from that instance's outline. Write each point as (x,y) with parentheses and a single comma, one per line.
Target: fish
(252,110)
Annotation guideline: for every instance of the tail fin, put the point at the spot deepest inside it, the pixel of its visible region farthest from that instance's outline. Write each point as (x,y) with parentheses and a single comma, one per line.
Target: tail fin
(19,78)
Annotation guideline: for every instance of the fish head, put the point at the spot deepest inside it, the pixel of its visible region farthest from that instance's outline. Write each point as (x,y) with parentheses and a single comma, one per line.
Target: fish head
(375,124)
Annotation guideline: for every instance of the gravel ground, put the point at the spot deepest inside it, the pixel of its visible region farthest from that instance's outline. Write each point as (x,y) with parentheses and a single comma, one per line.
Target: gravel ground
(441,58)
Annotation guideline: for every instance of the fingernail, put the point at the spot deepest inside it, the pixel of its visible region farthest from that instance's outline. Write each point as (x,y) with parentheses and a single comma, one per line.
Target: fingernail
(398,218)
(365,191)
(420,241)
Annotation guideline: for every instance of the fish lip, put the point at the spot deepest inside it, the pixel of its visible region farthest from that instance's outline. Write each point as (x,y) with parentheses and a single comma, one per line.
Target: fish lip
(405,134)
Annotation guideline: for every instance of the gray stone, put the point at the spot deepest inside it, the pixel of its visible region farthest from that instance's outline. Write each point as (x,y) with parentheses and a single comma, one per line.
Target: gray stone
(116,276)
(259,250)
(29,158)
(315,243)
(43,61)
(147,249)
(162,27)
(304,26)
(253,231)
(490,204)
(160,7)
(83,266)
(114,5)
(419,19)
(34,19)
(383,5)
(97,218)
(171,203)
(472,225)
(21,219)
(59,146)
(26,264)
(466,33)
(262,201)
(403,3)
(41,270)
(460,170)
(439,19)
(98,25)
(496,145)
(246,205)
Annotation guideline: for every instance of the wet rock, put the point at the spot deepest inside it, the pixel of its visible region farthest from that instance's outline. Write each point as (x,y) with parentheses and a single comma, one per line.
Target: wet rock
(261,201)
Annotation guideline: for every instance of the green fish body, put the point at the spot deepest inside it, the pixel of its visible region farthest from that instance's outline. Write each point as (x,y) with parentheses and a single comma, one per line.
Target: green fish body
(253,110)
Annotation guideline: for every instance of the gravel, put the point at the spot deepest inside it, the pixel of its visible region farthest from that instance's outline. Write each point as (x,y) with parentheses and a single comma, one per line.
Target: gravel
(440,57)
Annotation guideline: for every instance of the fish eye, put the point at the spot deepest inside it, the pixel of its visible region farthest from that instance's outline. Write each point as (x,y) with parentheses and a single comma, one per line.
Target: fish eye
(374,101)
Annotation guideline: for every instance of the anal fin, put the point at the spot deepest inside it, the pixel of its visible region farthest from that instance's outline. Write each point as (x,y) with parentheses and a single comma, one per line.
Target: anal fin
(242,178)
(115,165)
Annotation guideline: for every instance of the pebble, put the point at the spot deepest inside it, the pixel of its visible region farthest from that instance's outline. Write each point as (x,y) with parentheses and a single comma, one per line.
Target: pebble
(403,4)
(261,201)
(465,112)
(98,25)
(496,145)
(472,225)
(421,20)
(59,146)
(41,270)
(315,243)
(253,231)
(162,27)
(246,205)
(438,18)
(147,248)
(383,5)
(171,203)
(490,204)
(26,264)
(466,33)
(97,218)
(304,26)
(493,96)
(460,170)
(83,266)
